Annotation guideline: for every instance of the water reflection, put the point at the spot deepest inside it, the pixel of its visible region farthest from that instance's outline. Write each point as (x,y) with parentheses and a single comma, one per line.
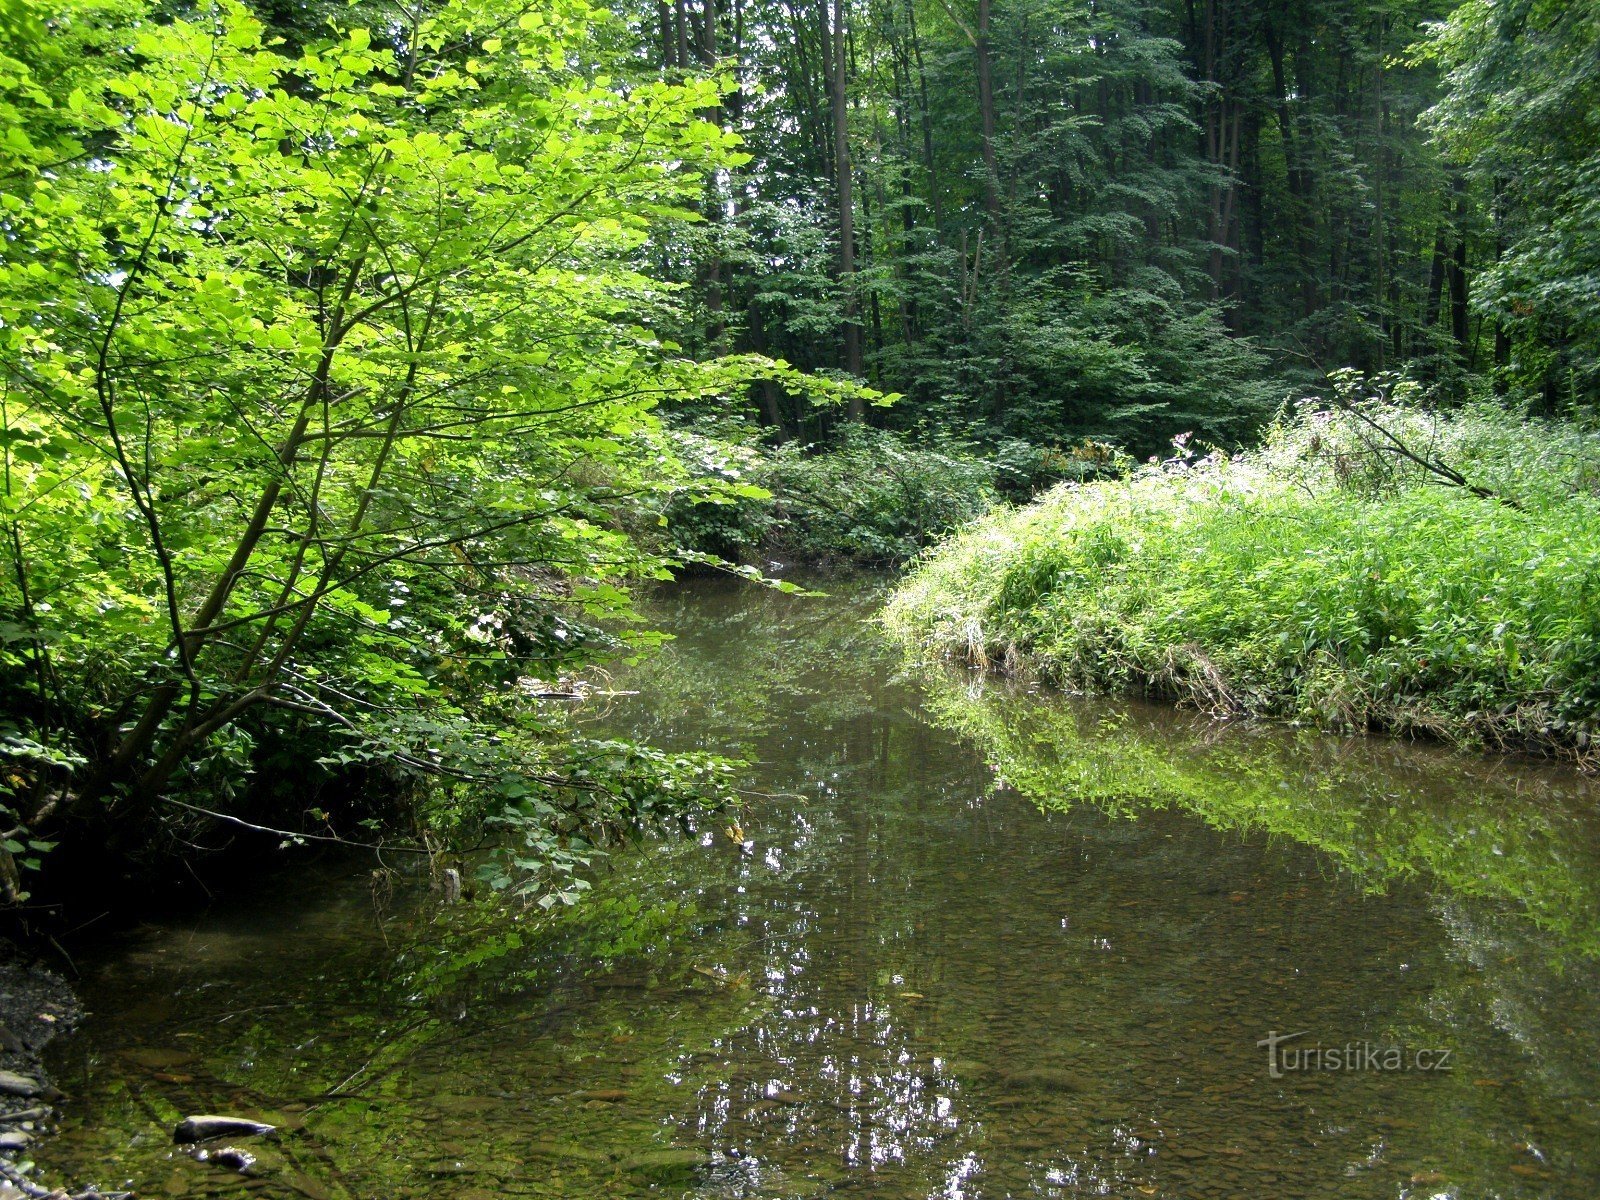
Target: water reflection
(1470,826)
(912,981)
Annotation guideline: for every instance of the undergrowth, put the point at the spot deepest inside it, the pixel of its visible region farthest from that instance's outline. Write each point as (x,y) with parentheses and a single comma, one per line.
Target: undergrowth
(1371,566)
(873,497)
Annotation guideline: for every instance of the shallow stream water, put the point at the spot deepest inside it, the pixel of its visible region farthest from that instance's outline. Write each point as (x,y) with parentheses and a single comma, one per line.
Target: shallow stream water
(968,941)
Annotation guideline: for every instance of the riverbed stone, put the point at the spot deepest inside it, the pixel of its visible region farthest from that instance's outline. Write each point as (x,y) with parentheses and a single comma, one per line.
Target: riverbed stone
(204,1128)
(550,1148)
(665,1166)
(13,1084)
(1043,1079)
(453,1105)
(234,1159)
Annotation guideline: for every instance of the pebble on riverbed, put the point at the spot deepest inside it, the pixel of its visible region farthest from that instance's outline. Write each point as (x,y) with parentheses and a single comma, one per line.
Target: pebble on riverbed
(230,1157)
(13,1084)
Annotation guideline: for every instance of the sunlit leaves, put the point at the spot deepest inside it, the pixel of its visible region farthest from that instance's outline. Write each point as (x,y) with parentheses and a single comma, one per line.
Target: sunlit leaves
(329,386)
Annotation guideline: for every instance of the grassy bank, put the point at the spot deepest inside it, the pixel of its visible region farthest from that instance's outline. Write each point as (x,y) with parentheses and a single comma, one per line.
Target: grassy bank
(1325,577)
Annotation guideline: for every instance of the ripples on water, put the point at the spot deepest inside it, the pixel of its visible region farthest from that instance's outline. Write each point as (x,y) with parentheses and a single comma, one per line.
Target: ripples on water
(977,944)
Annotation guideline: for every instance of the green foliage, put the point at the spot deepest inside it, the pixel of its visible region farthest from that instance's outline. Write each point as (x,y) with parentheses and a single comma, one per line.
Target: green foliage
(871,497)
(735,522)
(1324,577)
(327,413)
(874,497)
(1522,108)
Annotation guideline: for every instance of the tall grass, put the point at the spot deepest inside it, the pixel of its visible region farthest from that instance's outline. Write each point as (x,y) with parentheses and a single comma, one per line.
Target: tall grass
(1324,577)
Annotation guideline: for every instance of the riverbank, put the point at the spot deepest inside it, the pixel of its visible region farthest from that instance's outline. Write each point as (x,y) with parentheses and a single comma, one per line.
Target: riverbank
(36,1006)
(1373,568)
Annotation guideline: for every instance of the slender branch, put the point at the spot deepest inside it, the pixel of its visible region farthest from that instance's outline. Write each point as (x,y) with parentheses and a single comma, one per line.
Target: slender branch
(1427,462)
(290,835)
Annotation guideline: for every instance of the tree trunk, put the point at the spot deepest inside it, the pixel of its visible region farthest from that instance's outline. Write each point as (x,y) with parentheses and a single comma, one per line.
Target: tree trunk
(1457,272)
(991,172)
(1296,174)
(845,193)
(680,30)
(711,277)
(767,390)
(931,163)
(664,15)
(1430,314)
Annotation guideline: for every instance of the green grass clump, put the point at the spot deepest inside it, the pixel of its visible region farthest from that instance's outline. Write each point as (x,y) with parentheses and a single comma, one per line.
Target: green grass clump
(1324,577)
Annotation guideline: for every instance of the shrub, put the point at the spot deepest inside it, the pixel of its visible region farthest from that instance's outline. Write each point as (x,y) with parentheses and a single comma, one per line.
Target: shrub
(874,497)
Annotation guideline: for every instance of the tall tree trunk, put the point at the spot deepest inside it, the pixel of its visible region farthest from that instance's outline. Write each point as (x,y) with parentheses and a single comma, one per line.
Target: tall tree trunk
(845,193)
(711,285)
(1457,272)
(929,161)
(1223,117)
(1436,268)
(767,389)
(680,31)
(991,172)
(708,34)
(1252,235)
(1296,173)
(927,120)
(1502,335)
(669,59)
(1378,239)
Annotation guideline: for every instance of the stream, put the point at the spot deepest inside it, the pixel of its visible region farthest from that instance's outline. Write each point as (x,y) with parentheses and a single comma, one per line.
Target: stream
(966,941)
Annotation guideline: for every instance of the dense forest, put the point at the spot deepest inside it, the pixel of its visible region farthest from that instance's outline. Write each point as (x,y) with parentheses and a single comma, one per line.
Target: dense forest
(358,360)
(1125,220)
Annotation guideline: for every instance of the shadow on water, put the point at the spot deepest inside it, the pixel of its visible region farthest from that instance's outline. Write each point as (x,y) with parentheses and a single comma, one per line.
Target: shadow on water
(973,943)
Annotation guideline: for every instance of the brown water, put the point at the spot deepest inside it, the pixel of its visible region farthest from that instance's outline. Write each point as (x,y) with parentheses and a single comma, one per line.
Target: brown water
(976,943)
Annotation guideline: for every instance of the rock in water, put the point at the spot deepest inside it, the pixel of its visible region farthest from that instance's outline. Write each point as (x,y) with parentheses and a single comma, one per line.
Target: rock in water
(234,1159)
(666,1166)
(18,1085)
(203,1129)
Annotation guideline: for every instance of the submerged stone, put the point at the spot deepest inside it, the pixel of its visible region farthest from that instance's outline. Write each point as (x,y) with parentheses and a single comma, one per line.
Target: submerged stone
(546,1148)
(666,1166)
(204,1128)
(1043,1079)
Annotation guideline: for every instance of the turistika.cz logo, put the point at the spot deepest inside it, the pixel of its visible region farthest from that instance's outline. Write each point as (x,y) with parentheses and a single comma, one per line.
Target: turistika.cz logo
(1283,1058)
